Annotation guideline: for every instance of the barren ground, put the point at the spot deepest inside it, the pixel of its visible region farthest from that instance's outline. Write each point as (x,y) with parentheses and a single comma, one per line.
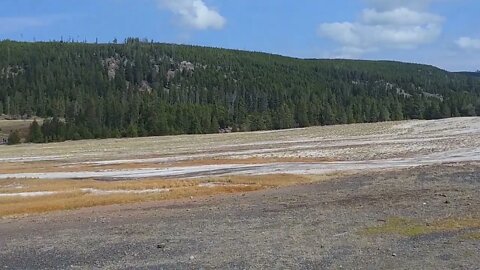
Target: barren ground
(43,178)
(420,218)
(300,151)
(387,195)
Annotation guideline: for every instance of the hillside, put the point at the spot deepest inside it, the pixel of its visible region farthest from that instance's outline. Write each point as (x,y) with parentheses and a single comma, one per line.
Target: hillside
(146,89)
(473,74)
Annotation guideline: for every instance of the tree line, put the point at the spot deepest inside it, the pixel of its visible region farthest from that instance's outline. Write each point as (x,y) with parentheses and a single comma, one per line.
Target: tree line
(87,91)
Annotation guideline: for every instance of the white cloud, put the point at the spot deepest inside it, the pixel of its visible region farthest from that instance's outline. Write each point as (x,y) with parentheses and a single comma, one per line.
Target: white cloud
(368,37)
(194,14)
(399,16)
(468,43)
(400,24)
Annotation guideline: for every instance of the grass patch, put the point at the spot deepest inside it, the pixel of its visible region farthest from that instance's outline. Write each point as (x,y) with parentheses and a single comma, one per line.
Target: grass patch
(71,196)
(472,236)
(75,200)
(411,228)
(277,180)
(34,185)
(21,125)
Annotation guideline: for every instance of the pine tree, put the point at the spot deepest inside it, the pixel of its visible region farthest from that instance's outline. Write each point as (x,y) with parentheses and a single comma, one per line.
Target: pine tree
(35,134)
(132,131)
(14,138)
(328,115)
(397,111)
(302,114)
(384,114)
(445,110)
(214,127)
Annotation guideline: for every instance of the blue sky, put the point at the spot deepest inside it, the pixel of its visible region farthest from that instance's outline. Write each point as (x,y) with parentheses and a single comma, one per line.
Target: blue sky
(443,33)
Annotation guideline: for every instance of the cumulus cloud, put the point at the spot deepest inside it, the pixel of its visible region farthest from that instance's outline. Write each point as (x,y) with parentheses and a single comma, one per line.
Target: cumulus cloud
(468,43)
(392,4)
(194,14)
(366,36)
(401,24)
(399,16)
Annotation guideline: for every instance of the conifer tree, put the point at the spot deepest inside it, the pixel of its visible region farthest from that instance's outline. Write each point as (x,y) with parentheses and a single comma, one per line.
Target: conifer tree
(14,138)
(35,134)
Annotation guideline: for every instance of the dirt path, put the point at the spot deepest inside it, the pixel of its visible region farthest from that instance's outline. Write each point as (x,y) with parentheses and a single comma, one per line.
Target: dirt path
(418,218)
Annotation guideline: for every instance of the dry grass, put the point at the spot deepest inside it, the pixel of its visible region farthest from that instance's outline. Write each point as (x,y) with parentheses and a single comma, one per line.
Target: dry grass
(76,200)
(35,185)
(52,166)
(21,125)
(472,236)
(29,167)
(411,228)
(72,197)
(277,180)
(14,124)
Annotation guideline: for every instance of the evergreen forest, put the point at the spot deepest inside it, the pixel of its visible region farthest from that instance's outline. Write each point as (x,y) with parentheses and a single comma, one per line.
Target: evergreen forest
(140,88)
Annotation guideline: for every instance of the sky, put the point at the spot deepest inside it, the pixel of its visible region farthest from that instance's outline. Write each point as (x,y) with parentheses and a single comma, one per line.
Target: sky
(443,33)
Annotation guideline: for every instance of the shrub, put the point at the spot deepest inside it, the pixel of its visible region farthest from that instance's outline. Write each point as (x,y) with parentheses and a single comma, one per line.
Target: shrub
(14,138)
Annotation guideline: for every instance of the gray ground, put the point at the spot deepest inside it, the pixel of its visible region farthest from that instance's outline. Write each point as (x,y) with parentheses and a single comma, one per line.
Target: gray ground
(316,226)
(347,147)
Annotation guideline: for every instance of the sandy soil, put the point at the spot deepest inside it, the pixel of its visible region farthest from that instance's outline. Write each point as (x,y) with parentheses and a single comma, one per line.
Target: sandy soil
(418,218)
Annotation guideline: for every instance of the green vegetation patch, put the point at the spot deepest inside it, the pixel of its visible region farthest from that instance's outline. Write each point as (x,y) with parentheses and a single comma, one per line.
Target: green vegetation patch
(472,236)
(411,227)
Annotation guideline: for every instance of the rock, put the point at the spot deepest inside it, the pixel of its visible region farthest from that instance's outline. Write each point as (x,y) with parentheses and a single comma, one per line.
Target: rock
(394,255)
(447,202)
(192,258)
(161,246)
(184,65)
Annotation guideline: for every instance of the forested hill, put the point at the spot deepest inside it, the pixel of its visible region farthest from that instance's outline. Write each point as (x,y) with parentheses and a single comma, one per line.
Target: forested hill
(474,74)
(144,89)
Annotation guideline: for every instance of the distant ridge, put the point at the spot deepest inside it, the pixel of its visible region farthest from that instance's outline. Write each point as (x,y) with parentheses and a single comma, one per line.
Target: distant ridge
(148,89)
(469,73)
